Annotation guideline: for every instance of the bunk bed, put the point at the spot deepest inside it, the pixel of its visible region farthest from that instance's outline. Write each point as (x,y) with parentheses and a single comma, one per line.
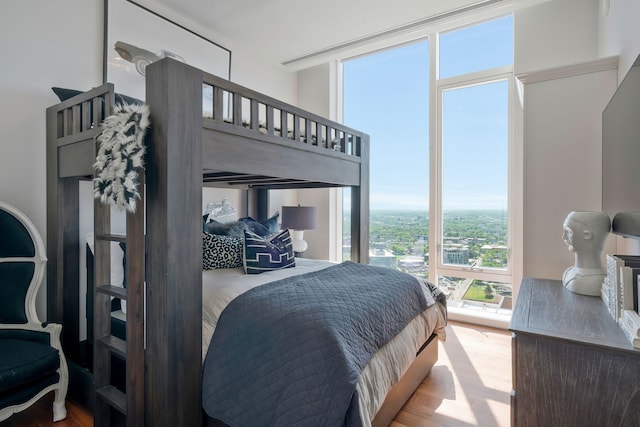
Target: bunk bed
(233,138)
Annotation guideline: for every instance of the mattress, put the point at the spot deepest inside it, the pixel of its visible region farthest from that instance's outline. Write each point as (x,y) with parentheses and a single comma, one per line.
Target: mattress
(221,286)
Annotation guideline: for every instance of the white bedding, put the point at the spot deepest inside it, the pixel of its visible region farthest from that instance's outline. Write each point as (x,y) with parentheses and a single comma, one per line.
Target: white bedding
(220,287)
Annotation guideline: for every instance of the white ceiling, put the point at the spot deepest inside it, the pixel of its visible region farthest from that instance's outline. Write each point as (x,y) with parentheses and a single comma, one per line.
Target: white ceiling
(284,30)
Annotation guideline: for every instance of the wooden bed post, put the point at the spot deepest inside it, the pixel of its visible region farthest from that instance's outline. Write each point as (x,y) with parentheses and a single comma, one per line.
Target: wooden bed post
(360,207)
(174,258)
(63,251)
(54,293)
(258,203)
(71,129)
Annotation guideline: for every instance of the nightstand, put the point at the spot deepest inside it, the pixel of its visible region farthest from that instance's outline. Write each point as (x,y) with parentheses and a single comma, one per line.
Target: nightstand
(572,365)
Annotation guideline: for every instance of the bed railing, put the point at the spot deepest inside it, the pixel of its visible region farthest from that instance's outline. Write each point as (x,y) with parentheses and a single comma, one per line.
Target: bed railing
(79,117)
(225,103)
(230,104)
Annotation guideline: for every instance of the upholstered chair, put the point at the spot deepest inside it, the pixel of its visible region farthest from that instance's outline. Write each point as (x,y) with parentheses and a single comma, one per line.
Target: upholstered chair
(32,363)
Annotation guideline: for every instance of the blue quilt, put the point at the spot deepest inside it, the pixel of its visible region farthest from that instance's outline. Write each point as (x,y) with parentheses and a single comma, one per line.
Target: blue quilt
(290,352)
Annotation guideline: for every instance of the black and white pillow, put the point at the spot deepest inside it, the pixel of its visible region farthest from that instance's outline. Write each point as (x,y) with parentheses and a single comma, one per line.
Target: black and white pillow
(268,253)
(221,251)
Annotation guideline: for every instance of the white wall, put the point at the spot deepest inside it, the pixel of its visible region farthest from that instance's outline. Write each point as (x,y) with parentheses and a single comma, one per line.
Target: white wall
(59,43)
(555,33)
(564,117)
(619,32)
(42,45)
(315,94)
(40,50)
(266,78)
(562,126)
(563,162)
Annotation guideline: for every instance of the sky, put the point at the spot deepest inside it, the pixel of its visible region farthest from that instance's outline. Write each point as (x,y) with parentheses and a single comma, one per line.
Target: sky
(386,94)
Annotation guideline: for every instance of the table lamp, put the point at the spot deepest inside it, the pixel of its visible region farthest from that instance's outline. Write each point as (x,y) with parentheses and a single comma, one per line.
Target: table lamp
(297,219)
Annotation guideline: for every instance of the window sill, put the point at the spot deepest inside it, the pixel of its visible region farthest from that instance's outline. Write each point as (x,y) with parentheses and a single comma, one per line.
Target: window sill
(478,316)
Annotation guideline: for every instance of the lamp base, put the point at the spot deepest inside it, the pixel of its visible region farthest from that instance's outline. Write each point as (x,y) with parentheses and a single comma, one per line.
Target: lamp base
(299,244)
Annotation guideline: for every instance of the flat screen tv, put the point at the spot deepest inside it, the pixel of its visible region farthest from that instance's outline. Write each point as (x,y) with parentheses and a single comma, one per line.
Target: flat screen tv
(621,147)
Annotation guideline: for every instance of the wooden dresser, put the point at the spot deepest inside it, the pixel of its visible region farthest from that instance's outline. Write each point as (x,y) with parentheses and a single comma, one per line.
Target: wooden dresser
(572,364)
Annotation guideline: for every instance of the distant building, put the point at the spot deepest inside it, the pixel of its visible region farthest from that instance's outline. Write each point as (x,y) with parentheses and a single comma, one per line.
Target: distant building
(455,254)
(382,258)
(411,263)
(493,247)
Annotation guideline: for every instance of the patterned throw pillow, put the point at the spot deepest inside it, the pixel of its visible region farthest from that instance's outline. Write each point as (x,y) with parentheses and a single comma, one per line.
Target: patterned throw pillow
(267,253)
(221,251)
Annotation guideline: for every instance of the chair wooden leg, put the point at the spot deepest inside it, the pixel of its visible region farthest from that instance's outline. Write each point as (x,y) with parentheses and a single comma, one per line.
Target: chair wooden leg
(59,408)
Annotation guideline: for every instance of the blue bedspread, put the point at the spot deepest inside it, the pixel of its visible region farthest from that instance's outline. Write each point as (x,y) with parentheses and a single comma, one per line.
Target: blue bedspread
(290,352)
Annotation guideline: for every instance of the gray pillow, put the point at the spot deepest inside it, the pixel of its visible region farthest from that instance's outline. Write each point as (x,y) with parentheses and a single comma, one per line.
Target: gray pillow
(232,229)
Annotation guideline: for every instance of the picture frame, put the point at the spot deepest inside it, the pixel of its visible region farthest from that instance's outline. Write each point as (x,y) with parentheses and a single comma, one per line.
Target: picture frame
(135,36)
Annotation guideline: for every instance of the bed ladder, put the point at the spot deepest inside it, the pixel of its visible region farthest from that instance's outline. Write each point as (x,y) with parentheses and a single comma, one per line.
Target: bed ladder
(109,398)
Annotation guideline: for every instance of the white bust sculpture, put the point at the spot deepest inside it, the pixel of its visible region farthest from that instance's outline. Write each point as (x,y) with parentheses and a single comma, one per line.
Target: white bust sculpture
(585,234)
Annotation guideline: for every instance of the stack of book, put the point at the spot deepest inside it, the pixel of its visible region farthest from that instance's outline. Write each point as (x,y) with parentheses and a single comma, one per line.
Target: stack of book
(610,287)
(620,294)
(630,325)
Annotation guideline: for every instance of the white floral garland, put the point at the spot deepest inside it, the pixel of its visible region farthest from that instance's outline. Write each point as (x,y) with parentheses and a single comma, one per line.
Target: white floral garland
(121,151)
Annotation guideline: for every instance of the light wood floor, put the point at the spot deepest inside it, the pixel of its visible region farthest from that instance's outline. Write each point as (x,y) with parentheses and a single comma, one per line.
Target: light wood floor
(40,415)
(470,385)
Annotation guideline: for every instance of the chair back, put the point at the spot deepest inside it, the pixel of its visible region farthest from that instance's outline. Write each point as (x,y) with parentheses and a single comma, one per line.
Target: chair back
(22,266)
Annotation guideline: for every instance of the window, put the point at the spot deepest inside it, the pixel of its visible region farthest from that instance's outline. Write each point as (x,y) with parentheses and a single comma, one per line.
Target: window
(387,95)
(476,48)
(473,215)
(475,136)
(440,149)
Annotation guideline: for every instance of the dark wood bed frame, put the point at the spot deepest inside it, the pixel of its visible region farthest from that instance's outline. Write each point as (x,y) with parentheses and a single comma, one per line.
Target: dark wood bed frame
(184,150)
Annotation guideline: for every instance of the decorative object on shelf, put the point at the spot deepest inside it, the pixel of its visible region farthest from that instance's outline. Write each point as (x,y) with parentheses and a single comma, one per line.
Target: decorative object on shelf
(120,154)
(221,211)
(621,286)
(623,271)
(142,57)
(626,224)
(585,233)
(297,219)
(628,270)
(611,289)
(629,322)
